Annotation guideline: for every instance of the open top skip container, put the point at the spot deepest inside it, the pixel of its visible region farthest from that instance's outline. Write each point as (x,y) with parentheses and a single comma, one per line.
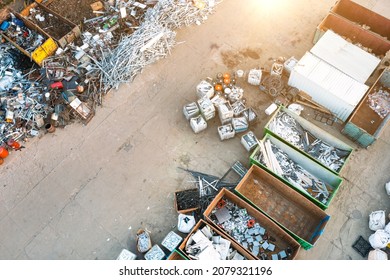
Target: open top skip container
(365,125)
(362,16)
(43,51)
(353,32)
(192,196)
(314,131)
(283,240)
(177,256)
(315,169)
(69,30)
(202,224)
(293,212)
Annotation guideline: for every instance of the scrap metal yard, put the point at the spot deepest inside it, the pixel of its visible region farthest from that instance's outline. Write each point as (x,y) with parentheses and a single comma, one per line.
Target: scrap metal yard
(84,190)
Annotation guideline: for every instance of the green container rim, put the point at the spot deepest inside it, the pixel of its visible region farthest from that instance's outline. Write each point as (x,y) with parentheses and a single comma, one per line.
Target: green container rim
(268,131)
(312,199)
(179,253)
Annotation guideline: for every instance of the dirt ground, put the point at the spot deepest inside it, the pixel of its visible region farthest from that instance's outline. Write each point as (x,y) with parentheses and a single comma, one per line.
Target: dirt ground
(54,26)
(83,191)
(74,10)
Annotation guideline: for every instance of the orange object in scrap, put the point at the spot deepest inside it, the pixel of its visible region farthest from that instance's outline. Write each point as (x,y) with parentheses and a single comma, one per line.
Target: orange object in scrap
(221,204)
(218,87)
(12,143)
(3,152)
(251,223)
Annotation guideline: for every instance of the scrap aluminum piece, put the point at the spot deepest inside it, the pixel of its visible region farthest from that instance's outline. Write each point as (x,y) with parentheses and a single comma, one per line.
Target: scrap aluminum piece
(155,253)
(379,101)
(176,14)
(254,239)
(302,179)
(249,114)
(238,107)
(290,130)
(212,242)
(171,241)
(143,241)
(21,98)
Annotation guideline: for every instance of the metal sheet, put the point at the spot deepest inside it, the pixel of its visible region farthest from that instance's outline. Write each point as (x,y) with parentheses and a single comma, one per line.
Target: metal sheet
(327,85)
(346,57)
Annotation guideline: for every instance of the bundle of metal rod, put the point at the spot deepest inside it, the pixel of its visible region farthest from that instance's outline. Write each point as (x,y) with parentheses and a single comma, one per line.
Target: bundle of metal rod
(145,46)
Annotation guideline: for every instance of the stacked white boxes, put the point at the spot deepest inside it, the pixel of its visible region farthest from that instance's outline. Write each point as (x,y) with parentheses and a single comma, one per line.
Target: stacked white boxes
(198,124)
(205,89)
(191,110)
(226,131)
(225,112)
(249,141)
(240,124)
(207,108)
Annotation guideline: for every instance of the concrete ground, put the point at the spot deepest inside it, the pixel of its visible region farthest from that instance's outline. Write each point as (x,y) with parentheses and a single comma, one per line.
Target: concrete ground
(82,192)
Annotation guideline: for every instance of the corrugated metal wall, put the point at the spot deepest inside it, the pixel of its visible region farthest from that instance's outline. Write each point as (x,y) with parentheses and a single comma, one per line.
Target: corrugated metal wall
(346,57)
(327,85)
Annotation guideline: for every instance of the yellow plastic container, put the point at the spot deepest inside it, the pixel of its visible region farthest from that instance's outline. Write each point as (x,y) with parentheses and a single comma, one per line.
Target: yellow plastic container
(45,50)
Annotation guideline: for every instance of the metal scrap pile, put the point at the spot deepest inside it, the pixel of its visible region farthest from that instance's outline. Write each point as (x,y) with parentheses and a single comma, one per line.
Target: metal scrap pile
(152,40)
(25,37)
(117,44)
(247,231)
(280,163)
(379,101)
(145,46)
(208,186)
(23,106)
(114,20)
(290,130)
(208,245)
(178,13)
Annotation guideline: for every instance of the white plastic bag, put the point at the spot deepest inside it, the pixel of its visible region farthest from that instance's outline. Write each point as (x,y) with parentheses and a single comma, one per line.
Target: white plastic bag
(377,255)
(377,220)
(296,108)
(387,187)
(387,228)
(185,223)
(379,239)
